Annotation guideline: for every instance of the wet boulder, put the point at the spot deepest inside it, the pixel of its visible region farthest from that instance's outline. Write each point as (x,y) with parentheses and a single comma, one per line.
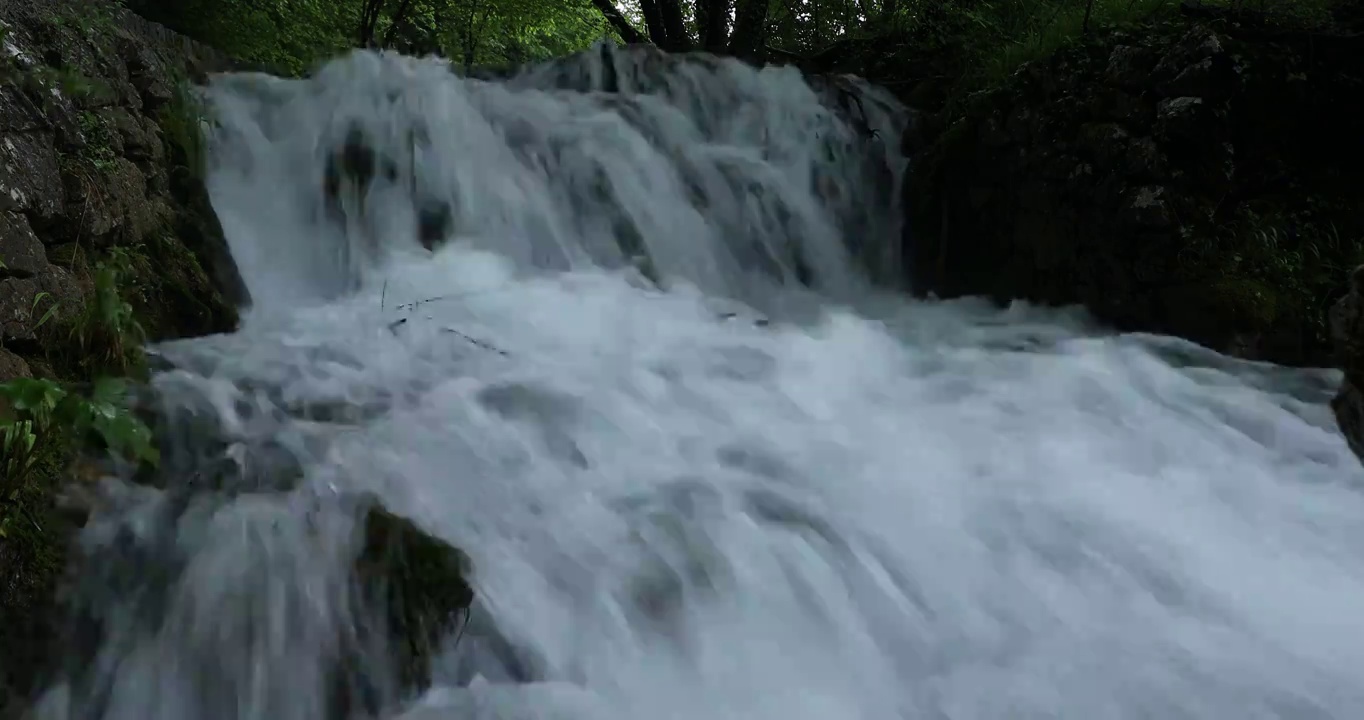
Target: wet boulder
(418,583)
(354,166)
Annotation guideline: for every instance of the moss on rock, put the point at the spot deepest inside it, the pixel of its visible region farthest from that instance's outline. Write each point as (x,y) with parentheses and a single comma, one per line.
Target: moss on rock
(419,582)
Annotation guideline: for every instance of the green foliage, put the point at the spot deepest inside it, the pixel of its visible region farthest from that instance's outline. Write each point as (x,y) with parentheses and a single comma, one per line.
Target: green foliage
(976,44)
(1023,34)
(1283,262)
(291,36)
(99,140)
(91,20)
(1306,263)
(1026,31)
(107,333)
(76,85)
(47,418)
(52,307)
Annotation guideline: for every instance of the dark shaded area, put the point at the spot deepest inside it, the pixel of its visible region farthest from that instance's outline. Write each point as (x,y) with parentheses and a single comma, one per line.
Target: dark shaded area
(1196,178)
(1347,329)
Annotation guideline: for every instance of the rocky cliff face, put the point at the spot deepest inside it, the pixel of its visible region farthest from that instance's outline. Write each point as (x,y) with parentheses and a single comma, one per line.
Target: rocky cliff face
(1197,177)
(96,153)
(96,164)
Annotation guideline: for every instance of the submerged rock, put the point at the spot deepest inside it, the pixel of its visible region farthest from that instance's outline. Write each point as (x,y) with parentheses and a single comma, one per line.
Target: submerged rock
(353,167)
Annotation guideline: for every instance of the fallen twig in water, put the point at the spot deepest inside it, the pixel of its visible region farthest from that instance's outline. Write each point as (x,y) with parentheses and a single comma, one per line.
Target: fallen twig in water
(393,328)
(480,343)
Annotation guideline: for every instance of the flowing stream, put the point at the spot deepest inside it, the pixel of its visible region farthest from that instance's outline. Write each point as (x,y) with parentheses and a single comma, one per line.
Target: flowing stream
(652,377)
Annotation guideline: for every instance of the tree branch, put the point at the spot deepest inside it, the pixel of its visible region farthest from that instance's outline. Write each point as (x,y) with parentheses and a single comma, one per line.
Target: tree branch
(628,33)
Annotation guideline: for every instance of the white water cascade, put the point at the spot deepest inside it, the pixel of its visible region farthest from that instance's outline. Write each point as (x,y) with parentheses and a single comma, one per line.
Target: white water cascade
(758,488)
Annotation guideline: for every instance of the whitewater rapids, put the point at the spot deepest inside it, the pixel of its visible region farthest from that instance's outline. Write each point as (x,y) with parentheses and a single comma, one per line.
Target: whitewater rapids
(733,493)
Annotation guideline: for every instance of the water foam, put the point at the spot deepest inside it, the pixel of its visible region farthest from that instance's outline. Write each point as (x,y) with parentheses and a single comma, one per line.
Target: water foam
(871,508)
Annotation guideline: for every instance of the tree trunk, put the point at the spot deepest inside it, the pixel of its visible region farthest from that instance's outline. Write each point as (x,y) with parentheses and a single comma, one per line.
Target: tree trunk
(713,24)
(653,22)
(750,30)
(369,20)
(675,26)
(627,32)
(398,20)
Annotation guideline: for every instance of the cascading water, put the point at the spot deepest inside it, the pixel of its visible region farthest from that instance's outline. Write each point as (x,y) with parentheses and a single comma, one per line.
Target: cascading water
(867,507)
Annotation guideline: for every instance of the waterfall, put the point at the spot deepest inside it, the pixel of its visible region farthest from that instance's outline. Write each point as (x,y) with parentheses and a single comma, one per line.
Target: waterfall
(624,329)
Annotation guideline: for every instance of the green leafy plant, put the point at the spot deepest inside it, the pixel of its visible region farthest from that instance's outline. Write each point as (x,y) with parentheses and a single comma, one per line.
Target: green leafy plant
(107,332)
(50,313)
(70,82)
(48,418)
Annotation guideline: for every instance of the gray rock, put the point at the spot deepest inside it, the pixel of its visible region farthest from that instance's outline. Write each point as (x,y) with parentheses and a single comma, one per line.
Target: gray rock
(17,311)
(138,138)
(63,289)
(12,366)
(1130,66)
(30,178)
(17,112)
(20,250)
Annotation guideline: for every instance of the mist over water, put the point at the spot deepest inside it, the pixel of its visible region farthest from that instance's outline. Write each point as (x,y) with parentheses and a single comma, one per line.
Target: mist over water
(865,507)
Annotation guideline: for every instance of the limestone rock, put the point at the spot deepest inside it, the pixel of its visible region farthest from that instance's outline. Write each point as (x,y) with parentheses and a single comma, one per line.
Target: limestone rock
(1130,66)
(30,180)
(138,138)
(109,204)
(17,112)
(1182,118)
(64,291)
(20,250)
(17,311)
(12,366)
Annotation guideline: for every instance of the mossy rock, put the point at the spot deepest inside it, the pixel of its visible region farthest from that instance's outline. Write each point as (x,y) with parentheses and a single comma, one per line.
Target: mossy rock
(420,584)
(414,592)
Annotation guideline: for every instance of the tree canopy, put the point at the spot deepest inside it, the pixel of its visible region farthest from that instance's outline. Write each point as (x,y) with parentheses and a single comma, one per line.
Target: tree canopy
(984,39)
(294,34)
